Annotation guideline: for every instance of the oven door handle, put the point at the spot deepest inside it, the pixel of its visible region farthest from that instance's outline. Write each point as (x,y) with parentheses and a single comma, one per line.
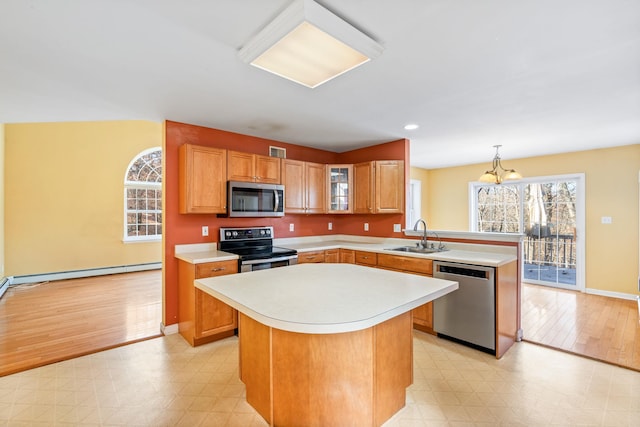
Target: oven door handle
(266,260)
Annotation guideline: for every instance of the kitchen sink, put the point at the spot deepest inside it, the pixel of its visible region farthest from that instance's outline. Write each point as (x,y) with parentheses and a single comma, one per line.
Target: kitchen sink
(417,250)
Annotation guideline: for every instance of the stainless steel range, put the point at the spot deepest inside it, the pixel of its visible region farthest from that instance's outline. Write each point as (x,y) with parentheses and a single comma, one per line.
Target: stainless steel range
(255,247)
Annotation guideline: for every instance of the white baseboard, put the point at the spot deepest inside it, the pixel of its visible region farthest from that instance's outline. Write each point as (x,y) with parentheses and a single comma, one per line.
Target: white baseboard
(620,295)
(74,274)
(170,329)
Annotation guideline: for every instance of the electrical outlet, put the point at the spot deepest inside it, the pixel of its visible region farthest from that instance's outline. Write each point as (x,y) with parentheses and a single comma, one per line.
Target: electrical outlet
(606,220)
(205,230)
(366,226)
(291,227)
(330,226)
(397,228)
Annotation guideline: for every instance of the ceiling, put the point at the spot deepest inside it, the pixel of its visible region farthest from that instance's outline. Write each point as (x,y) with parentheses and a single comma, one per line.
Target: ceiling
(537,76)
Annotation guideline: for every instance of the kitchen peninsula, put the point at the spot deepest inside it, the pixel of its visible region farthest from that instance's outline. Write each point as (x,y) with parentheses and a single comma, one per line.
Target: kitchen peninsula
(324,341)
(495,250)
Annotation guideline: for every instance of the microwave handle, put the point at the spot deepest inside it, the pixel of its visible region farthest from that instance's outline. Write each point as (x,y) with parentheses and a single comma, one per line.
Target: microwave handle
(277,206)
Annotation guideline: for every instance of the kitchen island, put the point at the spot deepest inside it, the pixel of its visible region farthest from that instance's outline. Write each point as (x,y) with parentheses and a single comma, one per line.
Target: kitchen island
(325,345)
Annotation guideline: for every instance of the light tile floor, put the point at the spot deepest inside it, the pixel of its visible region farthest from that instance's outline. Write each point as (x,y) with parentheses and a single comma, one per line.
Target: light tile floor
(165,382)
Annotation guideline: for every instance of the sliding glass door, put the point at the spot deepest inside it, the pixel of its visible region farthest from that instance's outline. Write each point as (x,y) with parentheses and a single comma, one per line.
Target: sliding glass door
(549,211)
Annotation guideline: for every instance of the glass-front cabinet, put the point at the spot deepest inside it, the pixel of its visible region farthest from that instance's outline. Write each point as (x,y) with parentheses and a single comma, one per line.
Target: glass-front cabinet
(340,186)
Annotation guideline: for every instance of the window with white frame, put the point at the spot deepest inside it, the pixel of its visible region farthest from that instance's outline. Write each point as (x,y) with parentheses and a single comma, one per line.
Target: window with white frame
(143,197)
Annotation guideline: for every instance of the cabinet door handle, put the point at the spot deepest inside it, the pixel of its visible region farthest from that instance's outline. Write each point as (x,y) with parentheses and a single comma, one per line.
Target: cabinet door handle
(218,269)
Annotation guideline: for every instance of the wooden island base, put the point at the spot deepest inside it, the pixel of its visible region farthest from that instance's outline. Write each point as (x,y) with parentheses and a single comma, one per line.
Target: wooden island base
(346,379)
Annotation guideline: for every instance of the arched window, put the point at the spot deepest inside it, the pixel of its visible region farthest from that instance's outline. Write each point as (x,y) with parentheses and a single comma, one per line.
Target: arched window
(143,196)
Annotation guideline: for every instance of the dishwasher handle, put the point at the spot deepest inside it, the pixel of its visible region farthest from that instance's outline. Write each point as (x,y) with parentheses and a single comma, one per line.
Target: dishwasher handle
(463,270)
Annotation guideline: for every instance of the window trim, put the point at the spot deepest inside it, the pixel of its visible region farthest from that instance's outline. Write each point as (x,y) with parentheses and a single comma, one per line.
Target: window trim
(580,217)
(157,185)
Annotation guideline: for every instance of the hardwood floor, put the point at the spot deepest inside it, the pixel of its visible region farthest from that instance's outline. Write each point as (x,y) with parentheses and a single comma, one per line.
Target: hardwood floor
(54,321)
(599,327)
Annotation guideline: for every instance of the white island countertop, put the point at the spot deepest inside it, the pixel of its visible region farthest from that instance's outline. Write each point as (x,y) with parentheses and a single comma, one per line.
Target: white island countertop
(324,298)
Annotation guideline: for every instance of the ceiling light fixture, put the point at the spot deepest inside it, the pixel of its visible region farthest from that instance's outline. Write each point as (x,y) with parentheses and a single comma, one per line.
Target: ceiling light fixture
(411,126)
(309,45)
(494,176)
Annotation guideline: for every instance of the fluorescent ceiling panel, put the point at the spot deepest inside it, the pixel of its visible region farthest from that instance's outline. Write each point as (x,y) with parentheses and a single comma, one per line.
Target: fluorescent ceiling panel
(309,45)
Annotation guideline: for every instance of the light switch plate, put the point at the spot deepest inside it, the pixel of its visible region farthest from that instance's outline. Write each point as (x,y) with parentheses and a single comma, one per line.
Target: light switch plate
(606,220)
(330,226)
(291,228)
(397,228)
(205,230)
(366,226)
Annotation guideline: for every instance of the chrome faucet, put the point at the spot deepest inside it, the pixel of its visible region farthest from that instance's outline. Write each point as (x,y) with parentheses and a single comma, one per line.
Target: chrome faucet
(423,241)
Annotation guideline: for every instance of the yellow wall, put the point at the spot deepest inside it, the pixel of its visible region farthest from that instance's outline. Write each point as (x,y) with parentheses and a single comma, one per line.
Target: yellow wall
(64,189)
(2,200)
(611,186)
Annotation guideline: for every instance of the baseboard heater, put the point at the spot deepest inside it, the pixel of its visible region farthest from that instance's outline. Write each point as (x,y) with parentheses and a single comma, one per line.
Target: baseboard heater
(4,285)
(75,274)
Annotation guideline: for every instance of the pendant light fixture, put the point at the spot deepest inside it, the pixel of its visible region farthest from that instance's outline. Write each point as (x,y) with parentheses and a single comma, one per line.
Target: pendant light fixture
(495,176)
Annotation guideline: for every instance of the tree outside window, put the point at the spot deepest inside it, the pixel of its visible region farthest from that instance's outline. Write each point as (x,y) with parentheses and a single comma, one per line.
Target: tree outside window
(143,197)
(544,210)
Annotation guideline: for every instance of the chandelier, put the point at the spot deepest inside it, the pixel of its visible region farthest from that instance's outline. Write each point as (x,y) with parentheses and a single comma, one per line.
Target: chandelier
(495,176)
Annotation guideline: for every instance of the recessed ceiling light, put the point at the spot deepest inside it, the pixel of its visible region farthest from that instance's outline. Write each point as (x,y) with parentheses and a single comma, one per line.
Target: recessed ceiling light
(411,126)
(309,45)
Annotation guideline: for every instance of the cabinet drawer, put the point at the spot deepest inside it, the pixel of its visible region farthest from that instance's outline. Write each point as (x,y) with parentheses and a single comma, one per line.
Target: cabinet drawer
(368,258)
(307,257)
(218,268)
(405,263)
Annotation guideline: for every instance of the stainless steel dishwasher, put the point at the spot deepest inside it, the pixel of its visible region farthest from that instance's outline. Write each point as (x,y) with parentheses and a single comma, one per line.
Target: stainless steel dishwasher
(469,313)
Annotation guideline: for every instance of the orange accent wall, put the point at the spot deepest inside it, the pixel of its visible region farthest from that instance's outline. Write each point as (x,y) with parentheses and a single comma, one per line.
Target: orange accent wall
(186,228)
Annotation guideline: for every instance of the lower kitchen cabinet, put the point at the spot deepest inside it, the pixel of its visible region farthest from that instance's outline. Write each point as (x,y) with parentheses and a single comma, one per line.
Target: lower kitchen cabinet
(423,315)
(310,257)
(201,317)
(332,255)
(366,258)
(328,255)
(347,256)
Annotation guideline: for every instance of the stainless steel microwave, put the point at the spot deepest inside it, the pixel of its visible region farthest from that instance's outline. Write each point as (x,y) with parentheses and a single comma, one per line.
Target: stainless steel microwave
(252,199)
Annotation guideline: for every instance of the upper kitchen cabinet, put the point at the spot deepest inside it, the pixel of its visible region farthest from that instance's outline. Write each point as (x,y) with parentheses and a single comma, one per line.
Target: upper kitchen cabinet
(340,188)
(202,178)
(252,168)
(379,186)
(304,185)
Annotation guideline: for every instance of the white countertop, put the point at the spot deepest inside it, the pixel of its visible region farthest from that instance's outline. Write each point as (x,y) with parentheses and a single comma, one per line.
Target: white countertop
(324,298)
(487,259)
(484,255)
(206,256)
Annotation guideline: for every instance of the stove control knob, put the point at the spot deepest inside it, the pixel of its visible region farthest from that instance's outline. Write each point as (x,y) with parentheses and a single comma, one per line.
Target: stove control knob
(235,233)
(228,234)
(262,232)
